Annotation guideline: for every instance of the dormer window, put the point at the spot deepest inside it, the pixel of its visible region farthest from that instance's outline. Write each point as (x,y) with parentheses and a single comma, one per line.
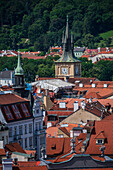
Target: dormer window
(100,138)
(62,105)
(99,141)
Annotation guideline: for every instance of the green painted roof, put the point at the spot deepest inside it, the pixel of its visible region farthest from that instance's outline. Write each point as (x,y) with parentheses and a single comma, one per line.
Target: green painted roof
(21,154)
(19,70)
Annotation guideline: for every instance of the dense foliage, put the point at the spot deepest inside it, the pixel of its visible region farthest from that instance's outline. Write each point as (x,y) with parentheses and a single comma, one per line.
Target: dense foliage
(103,70)
(38,24)
(41,67)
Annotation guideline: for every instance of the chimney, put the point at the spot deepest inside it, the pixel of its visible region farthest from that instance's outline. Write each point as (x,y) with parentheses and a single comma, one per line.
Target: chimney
(62,105)
(83,105)
(76,106)
(7,163)
(71,134)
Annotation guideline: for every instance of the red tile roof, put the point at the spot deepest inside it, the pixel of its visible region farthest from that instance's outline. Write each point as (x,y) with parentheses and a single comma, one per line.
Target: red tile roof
(62,146)
(101,135)
(31,56)
(52,131)
(64,130)
(29,152)
(10,99)
(14,147)
(2,152)
(97,109)
(107,127)
(33,165)
(92,95)
(103,92)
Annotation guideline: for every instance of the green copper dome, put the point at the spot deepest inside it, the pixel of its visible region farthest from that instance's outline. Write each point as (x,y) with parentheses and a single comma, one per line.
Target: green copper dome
(19,70)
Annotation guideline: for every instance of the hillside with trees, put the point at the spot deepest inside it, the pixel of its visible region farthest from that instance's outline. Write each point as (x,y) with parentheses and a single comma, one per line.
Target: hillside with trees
(103,70)
(38,24)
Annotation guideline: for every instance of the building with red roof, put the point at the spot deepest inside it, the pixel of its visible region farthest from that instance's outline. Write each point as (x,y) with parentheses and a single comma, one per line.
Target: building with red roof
(23,125)
(101,135)
(89,111)
(72,160)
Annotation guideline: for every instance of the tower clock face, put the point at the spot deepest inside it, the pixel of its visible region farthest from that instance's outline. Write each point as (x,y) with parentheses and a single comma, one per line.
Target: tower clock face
(64,70)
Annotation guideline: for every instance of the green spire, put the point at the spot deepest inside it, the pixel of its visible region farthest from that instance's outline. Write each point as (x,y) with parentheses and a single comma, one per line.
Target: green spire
(19,70)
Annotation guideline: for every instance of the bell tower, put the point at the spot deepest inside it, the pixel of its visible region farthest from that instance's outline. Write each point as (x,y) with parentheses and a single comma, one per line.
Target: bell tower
(19,86)
(68,64)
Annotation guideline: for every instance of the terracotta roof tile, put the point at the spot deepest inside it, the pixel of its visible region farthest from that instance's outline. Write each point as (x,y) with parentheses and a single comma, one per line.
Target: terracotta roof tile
(11,98)
(33,165)
(62,146)
(101,135)
(93,95)
(14,147)
(52,131)
(64,130)
(2,152)
(107,127)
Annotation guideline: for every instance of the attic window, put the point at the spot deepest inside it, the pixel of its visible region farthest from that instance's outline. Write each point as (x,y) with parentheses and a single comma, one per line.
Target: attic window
(100,138)
(25,110)
(53,146)
(99,141)
(8,113)
(16,111)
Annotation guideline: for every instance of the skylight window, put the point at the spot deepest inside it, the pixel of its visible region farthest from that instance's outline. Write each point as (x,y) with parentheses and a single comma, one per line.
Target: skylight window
(16,111)
(25,110)
(8,113)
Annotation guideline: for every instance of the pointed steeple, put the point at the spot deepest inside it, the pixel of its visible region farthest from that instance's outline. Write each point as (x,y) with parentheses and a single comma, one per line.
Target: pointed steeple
(19,70)
(68,45)
(19,76)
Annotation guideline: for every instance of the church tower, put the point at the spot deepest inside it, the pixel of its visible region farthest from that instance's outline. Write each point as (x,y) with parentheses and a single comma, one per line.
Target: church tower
(19,86)
(68,65)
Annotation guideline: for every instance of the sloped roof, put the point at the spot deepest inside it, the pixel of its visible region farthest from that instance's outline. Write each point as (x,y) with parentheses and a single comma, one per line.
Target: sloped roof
(107,127)
(68,45)
(2,152)
(32,165)
(62,146)
(93,95)
(14,147)
(14,107)
(64,130)
(103,92)
(52,131)
(11,99)
(101,135)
